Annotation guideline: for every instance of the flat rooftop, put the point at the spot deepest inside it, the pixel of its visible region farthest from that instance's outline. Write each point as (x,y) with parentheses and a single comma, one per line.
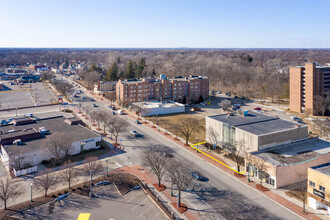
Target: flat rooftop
(323,168)
(146,105)
(54,123)
(295,153)
(256,123)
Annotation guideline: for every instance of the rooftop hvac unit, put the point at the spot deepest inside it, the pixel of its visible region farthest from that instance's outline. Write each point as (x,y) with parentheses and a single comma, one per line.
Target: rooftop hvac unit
(17,142)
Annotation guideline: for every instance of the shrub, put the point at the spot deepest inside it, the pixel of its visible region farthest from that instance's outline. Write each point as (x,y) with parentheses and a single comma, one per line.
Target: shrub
(59,194)
(79,188)
(53,196)
(73,190)
(44,162)
(65,192)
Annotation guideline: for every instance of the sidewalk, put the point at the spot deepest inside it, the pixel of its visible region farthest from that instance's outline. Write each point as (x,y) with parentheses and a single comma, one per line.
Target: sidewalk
(272,194)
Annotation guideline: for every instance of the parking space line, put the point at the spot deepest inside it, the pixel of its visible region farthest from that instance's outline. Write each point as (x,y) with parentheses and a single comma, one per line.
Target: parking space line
(155,216)
(144,211)
(135,196)
(140,204)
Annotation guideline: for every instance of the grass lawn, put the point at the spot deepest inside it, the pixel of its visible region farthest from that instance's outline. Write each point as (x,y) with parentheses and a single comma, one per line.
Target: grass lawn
(167,120)
(78,157)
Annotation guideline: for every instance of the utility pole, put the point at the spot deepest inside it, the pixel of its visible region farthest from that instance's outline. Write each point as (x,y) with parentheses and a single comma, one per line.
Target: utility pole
(90,189)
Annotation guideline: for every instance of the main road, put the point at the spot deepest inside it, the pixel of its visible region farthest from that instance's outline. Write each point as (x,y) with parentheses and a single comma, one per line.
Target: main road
(221,192)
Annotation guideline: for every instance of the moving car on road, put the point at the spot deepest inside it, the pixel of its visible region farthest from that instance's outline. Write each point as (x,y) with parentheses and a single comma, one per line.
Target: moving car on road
(94,105)
(198,176)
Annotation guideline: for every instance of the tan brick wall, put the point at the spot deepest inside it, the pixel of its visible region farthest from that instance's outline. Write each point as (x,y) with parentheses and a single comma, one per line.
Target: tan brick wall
(319,179)
(295,89)
(310,75)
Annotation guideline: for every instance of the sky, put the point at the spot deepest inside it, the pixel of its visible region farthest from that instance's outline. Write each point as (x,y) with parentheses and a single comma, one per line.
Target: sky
(165,23)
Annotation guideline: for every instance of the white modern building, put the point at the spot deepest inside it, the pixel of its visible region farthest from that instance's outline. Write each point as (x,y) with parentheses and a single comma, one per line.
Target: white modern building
(158,108)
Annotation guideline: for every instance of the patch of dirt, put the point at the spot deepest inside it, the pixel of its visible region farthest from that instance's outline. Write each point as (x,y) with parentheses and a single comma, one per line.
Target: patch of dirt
(159,188)
(176,139)
(262,188)
(124,182)
(166,133)
(239,175)
(153,126)
(182,208)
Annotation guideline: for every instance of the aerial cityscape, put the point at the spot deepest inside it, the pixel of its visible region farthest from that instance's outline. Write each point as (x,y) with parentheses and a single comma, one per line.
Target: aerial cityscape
(164,110)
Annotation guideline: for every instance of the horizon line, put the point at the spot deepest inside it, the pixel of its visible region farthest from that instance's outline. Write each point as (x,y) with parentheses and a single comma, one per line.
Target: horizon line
(176,48)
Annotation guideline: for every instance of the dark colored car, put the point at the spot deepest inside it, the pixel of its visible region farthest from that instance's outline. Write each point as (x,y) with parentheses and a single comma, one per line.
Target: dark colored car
(199,177)
(168,155)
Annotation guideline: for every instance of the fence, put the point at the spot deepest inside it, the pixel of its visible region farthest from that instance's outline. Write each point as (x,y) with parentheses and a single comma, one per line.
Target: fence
(166,208)
(25,171)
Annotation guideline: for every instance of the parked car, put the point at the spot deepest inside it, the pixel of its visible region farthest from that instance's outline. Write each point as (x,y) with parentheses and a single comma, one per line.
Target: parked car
(109,106)
(202,103)
(113,108)
(198,176)
(113,112)
(94,105)
(134,133)
(28,115)
(168,155)
(257,108)
(137,122)
(120,112)
(193,109)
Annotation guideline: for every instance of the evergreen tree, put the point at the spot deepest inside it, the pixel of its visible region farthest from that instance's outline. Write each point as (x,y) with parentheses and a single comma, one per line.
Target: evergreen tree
(112,74)
(130,70)
(153,72)
(140,67)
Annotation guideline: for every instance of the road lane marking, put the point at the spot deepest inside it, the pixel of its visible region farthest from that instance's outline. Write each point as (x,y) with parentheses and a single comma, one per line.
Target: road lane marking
(155,216)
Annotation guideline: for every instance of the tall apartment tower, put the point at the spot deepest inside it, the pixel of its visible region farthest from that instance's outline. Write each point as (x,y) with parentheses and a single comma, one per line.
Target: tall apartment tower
(305,83)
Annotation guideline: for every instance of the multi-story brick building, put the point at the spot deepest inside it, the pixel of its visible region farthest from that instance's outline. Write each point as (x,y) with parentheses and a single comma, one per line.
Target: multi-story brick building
(162,89)
(106,89)
(306,82)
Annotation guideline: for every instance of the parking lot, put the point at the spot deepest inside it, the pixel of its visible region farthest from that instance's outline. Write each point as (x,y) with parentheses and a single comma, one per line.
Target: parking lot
(28,94)
(107,204)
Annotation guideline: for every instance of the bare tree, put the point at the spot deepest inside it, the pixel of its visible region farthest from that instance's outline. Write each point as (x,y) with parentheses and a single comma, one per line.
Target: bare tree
(302,188)
(225,104)
(69,173)
(92,166)
(323,127)
(9,189)
(187,126)
(58,144)
(63,87)
(17,159)
(238,153)
(156,162)
(320,104)
(45,180)
(91,78)
(180,176)
(99,117)
(117,125)
(262,167)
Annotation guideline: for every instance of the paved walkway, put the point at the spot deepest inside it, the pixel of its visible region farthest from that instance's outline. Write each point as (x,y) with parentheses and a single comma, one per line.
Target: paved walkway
(271,194)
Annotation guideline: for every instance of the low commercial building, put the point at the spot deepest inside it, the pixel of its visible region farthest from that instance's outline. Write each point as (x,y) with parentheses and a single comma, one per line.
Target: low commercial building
(29,138)
(283,164)
(157,108)
(318,189)
(256,131)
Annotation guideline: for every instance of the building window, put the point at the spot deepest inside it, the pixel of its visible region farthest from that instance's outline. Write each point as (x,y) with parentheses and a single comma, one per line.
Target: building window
(321,188)
(311,183)
(97,143)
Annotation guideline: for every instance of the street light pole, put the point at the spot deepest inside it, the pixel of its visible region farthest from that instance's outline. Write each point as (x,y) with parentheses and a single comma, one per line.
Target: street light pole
(197,145)
(158,123)
(90,189)
(31,193)
(177,206)
(107,160)
(171,186)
